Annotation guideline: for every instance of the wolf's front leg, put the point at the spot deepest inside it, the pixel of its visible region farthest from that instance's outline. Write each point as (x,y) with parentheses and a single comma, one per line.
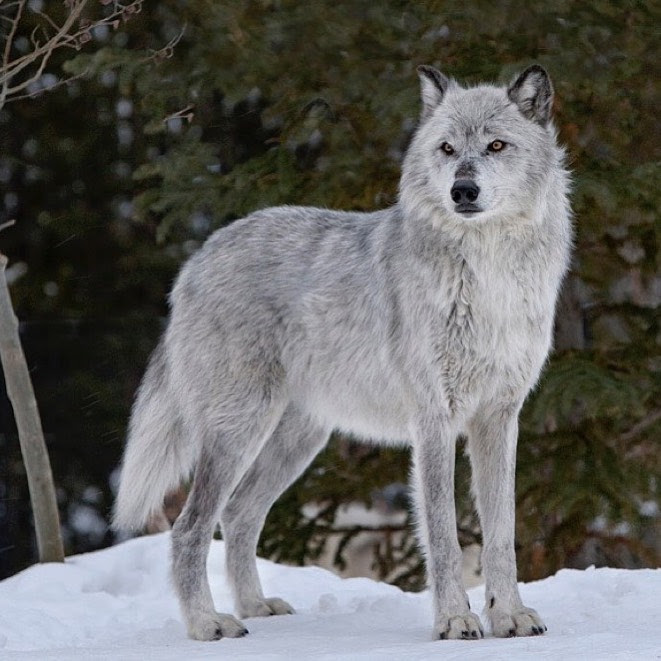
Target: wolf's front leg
(433,457)
(492,447)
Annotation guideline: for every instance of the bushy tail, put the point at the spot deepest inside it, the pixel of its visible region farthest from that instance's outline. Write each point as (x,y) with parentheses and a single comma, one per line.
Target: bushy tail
(157,456)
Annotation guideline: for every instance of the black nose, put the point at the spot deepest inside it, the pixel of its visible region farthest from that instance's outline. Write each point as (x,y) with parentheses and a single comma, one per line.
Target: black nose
(464,190)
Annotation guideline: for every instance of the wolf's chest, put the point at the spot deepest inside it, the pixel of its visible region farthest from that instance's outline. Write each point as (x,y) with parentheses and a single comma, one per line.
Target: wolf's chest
(494,331)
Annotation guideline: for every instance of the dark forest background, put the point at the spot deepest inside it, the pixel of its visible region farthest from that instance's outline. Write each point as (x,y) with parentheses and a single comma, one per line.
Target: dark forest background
(117,177)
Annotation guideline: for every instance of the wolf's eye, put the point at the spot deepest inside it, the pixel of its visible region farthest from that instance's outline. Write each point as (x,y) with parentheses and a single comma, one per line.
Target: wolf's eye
(447,148)
(496,145)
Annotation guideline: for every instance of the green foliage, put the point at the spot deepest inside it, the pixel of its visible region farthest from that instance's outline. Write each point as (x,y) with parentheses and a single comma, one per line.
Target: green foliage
(577,387)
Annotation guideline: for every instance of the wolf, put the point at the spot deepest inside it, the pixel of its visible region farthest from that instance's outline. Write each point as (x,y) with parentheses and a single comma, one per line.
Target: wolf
(411,325)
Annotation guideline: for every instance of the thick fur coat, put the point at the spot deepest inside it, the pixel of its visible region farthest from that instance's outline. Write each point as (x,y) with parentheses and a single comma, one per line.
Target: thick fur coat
(414,324)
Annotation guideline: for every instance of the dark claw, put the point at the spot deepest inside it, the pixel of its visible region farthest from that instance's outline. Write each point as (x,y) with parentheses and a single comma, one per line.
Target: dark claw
(545,628)
(512,633)
(464,634)
(443,635)
(474,634)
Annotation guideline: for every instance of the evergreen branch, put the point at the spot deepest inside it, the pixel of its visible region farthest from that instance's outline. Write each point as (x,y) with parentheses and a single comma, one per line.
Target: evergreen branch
(343,530)
(641,426)
(649,554)
(466,535)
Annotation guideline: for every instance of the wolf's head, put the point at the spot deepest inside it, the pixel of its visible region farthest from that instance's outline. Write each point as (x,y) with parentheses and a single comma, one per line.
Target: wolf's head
(481,153)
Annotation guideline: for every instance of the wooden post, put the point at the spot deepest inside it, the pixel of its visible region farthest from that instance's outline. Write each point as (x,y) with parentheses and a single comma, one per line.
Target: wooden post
(30,432)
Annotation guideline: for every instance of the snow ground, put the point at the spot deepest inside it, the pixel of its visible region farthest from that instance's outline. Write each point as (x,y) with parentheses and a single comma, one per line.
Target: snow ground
(119,604)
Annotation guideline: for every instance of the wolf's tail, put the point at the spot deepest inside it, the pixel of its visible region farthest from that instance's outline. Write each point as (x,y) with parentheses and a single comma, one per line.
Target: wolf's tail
(157,455)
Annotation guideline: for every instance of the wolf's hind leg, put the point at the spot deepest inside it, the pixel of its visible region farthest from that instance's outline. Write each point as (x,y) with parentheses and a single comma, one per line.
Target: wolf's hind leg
(225,457)
(294,444)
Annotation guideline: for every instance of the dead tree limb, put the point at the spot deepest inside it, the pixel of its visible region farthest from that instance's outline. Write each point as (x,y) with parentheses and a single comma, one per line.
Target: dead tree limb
(19,73)
(30,432)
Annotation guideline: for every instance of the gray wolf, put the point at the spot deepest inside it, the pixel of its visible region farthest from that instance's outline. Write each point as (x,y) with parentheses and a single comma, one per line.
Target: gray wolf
(414,324)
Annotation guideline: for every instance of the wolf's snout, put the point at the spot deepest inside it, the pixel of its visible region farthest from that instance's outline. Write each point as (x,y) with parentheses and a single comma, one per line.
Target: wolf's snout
(464,191)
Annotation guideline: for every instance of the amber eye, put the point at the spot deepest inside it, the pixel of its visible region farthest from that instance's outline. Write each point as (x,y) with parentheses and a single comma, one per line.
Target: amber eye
(496,145)
(447,148)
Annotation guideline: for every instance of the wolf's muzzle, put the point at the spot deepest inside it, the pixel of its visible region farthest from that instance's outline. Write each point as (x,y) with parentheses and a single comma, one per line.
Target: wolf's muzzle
(464,191)
(463,194)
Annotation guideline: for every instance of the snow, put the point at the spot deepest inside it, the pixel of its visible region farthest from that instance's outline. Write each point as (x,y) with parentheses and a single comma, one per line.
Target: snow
(119,604)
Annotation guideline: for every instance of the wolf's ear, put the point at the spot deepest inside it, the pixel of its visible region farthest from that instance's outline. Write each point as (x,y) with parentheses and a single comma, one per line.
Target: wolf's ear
(433,85)
(533,93)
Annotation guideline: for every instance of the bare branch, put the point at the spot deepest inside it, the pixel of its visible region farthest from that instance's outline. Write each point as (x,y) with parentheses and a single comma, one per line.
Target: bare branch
(33,36)
(48,20)
(166,52)
(641,426)
(13,68)
(59,83)
(19,73)
(33,78)
(185,114)
(12,33)
(7,51)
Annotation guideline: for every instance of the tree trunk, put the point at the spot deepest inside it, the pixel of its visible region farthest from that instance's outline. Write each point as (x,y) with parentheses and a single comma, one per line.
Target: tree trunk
(570,331)
(30,433)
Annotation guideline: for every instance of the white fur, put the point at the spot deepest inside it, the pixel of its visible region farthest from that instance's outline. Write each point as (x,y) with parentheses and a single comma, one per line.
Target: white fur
(410,325)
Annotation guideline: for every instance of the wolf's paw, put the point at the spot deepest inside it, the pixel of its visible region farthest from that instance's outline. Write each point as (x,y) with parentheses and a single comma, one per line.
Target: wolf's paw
(214,626)
(466,627)
(265,607)
(521,622)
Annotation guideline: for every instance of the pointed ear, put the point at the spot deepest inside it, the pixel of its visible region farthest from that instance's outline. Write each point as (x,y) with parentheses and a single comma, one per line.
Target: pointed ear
(433,85)
(532,92)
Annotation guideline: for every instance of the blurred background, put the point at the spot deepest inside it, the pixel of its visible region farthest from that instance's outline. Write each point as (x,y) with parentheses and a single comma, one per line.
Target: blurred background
(186,115)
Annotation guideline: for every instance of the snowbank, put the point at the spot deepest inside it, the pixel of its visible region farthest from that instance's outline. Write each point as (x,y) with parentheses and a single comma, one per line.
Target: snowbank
(119,604)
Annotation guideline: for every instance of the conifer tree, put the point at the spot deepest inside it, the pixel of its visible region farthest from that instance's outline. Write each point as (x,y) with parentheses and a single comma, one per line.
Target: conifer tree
(280,102)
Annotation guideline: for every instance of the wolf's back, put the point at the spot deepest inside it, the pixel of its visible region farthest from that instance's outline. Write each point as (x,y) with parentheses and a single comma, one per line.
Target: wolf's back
(156,457)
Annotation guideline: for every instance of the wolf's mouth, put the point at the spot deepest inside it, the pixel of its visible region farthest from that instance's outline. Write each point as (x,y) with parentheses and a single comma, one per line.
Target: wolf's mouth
(467,208)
